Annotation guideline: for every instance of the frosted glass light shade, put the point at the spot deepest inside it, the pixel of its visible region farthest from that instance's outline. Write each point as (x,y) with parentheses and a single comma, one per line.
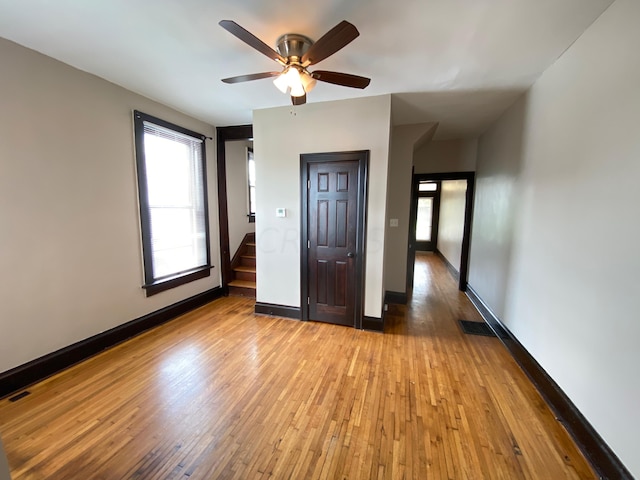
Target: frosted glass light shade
(293,82)
(281,82)
(308,82)
(293,77)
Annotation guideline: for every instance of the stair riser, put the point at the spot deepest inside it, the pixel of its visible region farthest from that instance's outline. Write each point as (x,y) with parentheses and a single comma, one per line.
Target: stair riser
(245,276)
(247,262)
(251,250)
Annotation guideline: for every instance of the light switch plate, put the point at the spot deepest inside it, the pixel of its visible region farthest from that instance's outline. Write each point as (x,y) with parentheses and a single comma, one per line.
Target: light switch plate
(281,212)
(393,222)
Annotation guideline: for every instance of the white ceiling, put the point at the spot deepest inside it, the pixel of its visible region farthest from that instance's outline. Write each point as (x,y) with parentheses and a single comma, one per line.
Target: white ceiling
(458,62)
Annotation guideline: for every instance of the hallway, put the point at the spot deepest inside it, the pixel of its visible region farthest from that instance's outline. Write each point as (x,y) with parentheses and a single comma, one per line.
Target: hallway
(224,393)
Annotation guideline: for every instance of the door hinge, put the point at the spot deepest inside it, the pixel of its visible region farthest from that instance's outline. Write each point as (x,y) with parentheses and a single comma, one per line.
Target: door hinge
(308,301)
(308,184)
(308,243)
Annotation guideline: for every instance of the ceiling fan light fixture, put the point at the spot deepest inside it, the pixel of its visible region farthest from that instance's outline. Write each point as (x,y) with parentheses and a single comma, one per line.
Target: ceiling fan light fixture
(308,82)
(291,81)
(298,91)
(295,83)
(295,53)
(281,82)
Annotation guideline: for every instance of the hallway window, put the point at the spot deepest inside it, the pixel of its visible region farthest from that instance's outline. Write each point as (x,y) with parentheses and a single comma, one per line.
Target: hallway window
(173,203)
(425,216)
(251,175)
(427,186)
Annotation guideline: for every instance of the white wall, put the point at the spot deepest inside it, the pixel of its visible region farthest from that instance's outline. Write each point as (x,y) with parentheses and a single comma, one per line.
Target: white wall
(237,192)
(70,252)
(443,156)
(556,224)
(451,221)
(280,136)
(404,140)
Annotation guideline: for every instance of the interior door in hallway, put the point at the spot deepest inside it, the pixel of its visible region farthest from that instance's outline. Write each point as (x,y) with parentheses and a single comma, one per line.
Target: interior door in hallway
(334,252)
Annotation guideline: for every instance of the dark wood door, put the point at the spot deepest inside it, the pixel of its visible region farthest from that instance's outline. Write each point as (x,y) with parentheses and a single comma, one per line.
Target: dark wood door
(332,253)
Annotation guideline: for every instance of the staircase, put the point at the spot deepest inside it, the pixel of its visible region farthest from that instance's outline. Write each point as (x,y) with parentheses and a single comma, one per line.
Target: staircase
(243,267)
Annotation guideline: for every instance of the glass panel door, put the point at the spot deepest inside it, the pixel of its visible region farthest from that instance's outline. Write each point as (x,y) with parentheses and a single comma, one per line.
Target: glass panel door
(424,222)
(426,226)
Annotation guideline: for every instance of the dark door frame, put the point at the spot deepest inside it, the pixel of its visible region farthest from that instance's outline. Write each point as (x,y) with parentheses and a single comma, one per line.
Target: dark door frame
(239,132)
(470,177)
(363,169)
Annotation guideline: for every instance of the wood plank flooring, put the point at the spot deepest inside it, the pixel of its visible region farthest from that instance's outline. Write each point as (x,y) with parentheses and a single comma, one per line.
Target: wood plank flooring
(223,393)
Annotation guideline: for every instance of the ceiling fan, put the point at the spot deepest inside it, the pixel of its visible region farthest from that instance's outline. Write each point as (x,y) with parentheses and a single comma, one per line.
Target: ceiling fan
(295,53)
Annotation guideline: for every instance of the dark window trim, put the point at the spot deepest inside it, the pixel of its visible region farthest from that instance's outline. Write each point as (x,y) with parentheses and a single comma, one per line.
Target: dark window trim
(177,280)
(153,285)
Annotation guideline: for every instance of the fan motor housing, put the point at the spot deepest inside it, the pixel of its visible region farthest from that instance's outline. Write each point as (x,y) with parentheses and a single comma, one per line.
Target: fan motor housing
(293,45)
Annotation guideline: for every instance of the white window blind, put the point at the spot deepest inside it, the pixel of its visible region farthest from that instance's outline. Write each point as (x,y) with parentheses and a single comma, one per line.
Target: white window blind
(175,196)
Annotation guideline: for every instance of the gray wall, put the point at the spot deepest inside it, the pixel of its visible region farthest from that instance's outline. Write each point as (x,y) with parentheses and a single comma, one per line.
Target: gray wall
(404,141)
(554,250)
(71,258)
(442,156)
(281,135)
(451,220)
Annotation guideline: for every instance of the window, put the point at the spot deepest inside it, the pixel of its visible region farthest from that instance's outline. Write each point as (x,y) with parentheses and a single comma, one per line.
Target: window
(427,186)
(251,174)
(172,190)
(425,219)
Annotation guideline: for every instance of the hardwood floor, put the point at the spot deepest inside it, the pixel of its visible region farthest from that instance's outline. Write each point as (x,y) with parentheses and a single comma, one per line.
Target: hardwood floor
(223,393)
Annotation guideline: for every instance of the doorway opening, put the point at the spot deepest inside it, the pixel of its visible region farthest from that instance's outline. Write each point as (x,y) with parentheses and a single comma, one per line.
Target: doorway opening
(223,136)
(440,221)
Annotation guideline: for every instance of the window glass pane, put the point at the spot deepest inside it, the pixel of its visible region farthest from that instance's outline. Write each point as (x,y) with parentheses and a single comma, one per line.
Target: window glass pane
(427,186)
(252,200)
(177,244)
(168,171)
(252,169)
(251,173)
(423,225)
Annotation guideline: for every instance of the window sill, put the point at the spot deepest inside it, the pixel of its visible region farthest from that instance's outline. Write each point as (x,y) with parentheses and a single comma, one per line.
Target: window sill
(176,280)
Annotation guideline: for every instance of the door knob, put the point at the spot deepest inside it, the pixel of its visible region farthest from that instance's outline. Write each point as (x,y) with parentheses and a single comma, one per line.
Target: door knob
(351,254)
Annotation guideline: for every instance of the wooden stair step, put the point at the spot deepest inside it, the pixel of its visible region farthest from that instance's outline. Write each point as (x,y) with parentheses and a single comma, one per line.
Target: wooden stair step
(242,284)
(248,260)
(245,268)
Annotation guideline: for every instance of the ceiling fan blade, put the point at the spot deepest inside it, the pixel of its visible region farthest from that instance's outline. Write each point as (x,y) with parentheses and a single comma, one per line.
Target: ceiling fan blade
(344,79)
(299,100)
(251,40)
(332,41)
(247,78)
